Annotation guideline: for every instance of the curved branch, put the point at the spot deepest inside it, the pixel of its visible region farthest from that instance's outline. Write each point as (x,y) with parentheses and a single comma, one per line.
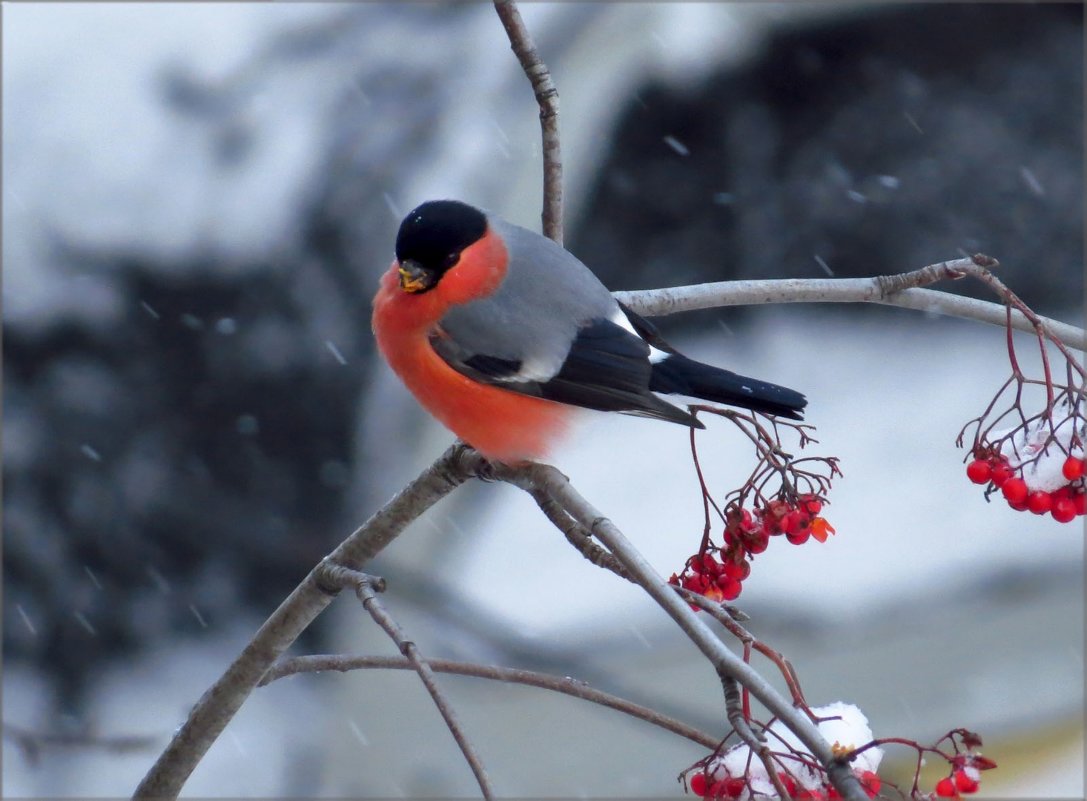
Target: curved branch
(669,300)
(547,96)
(544,477)
(220,703)
(564,685)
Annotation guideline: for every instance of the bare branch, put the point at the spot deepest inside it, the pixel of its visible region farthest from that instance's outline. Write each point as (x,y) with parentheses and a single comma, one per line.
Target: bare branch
(548,98)
(895,290)
(33,743)
(558,486)
(737,716)
(220,703)
(366,588)
(560,684)
(576,534)
(721,657)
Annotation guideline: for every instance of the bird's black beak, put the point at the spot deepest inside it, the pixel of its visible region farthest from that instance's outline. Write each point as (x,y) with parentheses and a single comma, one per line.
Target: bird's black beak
(414,277)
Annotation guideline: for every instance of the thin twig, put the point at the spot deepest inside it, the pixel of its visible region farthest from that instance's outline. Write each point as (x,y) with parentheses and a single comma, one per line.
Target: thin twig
(560,684)
(33,743)
(1040,325)
(548,98)
(707,499)
(366,588)
(220,703)
(898,290)
(738,715)
(730,618)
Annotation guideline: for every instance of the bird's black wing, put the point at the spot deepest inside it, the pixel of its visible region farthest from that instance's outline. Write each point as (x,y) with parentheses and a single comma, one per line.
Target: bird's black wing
(676,374)
(606,368)
(646,330)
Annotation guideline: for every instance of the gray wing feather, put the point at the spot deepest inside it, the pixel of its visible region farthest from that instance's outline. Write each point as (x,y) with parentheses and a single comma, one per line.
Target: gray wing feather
(511,324)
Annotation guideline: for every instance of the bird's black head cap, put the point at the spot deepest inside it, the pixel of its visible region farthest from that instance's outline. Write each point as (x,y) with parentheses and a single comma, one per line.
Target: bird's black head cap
(435,233)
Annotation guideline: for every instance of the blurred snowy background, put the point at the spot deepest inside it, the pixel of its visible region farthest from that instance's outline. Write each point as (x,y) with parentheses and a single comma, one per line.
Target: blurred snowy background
(197,202)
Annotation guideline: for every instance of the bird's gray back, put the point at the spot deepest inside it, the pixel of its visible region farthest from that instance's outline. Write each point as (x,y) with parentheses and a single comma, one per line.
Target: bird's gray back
(535,314)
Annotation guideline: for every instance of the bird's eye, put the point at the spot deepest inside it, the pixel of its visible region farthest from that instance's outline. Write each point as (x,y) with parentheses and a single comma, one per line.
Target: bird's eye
(450,260)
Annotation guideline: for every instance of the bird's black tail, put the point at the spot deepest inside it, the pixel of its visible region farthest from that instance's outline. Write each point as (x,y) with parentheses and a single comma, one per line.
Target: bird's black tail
(676,374)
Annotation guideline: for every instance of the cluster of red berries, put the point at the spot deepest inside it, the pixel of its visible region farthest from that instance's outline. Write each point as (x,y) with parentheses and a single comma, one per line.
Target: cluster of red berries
(733,787)
(718,581)
(705,787)
(746,534)
(965,775)
(797,520)
(1063,504)
(961,781)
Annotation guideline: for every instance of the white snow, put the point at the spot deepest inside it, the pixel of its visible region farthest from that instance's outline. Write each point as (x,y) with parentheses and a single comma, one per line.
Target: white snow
(849,730)
(1040,452)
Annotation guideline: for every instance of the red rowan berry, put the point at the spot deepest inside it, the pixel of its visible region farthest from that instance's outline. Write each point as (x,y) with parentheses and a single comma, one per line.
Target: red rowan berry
(1064,510)
(1039,502)
(1015,490)
(810,504)
(979,471)
(729,587)
(945,788)
(1002,471)
(699,784)
(871,782)
(737,570)
(965,783)
(800,537)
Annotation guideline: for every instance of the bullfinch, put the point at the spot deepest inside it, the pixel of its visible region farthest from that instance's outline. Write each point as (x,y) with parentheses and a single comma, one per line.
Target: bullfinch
(502,335)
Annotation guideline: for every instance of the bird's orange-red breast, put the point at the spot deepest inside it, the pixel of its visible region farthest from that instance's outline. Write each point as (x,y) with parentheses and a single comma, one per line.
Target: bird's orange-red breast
(502,335)
(502,425)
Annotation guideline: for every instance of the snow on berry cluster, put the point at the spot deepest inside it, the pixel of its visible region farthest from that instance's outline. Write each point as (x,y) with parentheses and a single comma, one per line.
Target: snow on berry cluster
(718,573)
(738,775)
(1032,473)
(965,776)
